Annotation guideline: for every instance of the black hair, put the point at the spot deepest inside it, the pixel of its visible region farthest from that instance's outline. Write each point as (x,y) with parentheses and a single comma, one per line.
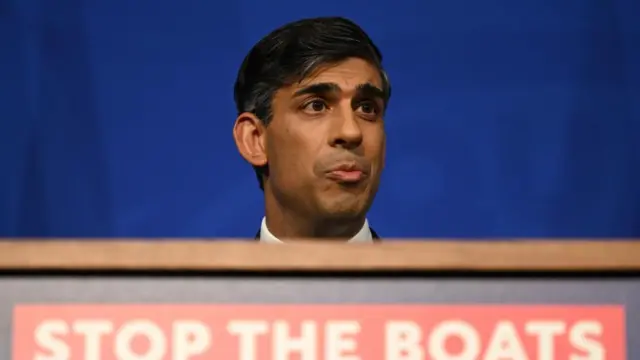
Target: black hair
(290,53)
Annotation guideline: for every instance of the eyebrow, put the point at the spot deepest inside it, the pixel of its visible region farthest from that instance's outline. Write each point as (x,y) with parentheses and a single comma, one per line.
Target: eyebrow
(362,90)
(318,89)
(370,90)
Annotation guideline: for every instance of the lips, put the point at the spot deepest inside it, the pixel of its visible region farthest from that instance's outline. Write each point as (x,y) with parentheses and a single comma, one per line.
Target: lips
(347,173)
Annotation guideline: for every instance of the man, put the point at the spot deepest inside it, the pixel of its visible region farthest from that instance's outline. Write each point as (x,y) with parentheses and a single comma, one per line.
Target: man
(311,97)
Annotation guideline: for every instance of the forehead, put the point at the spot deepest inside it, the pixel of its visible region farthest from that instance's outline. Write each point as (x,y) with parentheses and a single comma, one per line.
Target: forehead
(347,75)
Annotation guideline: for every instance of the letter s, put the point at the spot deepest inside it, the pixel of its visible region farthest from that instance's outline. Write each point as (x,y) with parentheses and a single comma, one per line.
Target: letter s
(579,338)
(45,337)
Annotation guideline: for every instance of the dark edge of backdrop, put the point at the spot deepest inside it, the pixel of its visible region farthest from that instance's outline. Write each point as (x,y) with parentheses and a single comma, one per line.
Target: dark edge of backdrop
(365,274)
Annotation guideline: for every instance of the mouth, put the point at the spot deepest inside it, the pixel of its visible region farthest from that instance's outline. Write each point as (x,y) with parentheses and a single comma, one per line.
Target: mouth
(347,174)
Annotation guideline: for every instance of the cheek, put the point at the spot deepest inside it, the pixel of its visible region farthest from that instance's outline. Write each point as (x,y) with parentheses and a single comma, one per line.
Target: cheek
(384,152)
(376,147)
(290,156)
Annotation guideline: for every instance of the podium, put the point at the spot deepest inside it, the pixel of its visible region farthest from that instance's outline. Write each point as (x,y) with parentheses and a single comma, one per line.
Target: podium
(200,299)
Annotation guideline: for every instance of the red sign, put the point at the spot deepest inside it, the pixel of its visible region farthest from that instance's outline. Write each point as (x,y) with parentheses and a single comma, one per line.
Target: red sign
(318,332)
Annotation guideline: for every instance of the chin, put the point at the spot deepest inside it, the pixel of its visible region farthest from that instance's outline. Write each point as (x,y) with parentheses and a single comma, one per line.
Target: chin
(344,210)
(343,214)
(343,204)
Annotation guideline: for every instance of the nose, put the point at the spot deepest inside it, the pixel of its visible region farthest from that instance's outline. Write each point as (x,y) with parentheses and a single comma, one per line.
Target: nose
(345,131)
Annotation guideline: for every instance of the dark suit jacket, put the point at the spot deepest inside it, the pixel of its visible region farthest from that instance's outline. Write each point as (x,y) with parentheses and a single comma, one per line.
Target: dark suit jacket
(375,236)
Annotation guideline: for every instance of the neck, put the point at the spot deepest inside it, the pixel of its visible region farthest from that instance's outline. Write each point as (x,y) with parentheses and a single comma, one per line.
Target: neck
(290,224)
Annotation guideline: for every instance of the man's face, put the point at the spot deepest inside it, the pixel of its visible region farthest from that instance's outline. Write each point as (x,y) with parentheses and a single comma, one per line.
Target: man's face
(325,144)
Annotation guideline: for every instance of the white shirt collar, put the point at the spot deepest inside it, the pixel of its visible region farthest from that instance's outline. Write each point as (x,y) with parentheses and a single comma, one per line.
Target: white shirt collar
(363,236)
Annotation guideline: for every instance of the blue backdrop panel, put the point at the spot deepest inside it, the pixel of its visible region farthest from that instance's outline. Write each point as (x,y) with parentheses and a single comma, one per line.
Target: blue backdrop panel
(508,118)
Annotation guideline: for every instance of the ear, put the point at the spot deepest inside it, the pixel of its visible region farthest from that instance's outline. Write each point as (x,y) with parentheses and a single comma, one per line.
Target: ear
(250,137)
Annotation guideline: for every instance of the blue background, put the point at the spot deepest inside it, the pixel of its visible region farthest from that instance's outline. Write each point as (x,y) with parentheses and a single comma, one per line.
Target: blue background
(509,118)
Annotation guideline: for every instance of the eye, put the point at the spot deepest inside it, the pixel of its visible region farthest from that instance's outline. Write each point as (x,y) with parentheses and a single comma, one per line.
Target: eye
(368,108)
(315,106)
